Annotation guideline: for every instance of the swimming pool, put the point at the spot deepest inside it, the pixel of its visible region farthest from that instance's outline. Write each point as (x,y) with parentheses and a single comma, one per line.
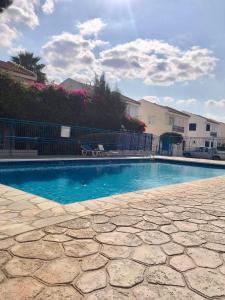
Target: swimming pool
(74,182)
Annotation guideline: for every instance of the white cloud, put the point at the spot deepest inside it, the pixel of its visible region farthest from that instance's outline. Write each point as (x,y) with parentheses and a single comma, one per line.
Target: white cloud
(190,101)
(48,6)
(20,12)
(91,27)
(16,50)
(215,103)
(152,61)
(168,100)
(215,109)
(7,35)
(23,11)
(157,62)
(153,99)
(71,55)
(216,117)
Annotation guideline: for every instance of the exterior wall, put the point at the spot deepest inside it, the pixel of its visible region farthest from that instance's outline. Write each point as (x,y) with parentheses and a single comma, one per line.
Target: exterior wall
(221,130)
(159,119)
(201,137)
(27,80)
(154,117)
(201,123)
(132,109)
(70,84)
(178,123)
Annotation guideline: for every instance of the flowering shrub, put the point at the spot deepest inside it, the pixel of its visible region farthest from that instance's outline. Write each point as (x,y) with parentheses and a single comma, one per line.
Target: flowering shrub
(141,124)
(134,124)
(57,87)
(42,86)
(52,103)
(39,86)
(81,92)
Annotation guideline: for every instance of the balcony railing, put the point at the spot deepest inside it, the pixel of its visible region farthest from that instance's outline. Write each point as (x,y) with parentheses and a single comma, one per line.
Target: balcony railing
(178,129)
(213,134)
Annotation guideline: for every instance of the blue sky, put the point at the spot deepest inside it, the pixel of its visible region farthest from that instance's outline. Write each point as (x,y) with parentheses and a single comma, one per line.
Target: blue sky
(170,52)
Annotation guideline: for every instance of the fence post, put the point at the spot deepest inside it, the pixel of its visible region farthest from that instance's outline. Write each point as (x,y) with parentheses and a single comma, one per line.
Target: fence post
(10,139)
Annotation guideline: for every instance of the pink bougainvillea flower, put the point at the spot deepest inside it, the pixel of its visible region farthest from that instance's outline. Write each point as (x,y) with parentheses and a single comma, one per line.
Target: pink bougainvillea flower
(60,87)
(81,92)
(39,86)
(42,86)
(128,117)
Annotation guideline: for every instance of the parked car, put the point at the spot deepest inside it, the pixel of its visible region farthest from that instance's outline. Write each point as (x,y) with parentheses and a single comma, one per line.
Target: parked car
(204,152)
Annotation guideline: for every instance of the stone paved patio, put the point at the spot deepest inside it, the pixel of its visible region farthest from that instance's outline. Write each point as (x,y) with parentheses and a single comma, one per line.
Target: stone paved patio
(165,243)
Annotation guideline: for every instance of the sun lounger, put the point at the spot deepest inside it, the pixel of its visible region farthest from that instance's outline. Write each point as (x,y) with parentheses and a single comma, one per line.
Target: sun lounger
(87,150)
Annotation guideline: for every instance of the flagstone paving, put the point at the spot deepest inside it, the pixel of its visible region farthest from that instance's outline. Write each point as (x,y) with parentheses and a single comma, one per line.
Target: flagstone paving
(166,243)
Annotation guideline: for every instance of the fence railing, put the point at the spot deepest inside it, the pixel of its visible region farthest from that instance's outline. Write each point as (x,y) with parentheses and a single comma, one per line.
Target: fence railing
(31,138)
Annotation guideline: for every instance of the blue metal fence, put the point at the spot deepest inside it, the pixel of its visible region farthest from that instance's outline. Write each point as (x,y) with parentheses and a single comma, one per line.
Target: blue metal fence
(42,138)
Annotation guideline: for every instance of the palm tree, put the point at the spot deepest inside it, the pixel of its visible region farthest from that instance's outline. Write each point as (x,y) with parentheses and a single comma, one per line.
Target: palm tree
(4,4)
(30,62)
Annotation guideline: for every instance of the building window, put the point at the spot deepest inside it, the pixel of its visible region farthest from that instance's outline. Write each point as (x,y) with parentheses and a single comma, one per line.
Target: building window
(212,144)
(151,120)
(192,127)
(207,144)
(128,110)
(171,120)
(207,127)
(132,111)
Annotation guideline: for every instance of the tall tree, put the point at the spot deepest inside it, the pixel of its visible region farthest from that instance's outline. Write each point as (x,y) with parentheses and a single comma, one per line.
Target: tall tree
(31,62)
(107,107)
(4,4)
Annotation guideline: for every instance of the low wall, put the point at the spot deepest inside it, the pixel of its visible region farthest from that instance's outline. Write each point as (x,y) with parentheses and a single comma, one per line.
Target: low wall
(18,153)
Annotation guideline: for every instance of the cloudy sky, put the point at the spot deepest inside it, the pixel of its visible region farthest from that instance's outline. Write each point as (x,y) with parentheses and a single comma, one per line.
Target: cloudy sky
(170,52)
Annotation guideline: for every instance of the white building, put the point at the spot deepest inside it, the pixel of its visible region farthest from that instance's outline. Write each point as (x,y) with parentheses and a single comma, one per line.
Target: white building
(221,130)
(221,136)
(71,84)
(202,132)
(18,73)
(132,106)
(161,119)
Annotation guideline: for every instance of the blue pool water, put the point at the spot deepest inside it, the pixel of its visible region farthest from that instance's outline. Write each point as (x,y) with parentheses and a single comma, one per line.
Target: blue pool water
(77,182)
